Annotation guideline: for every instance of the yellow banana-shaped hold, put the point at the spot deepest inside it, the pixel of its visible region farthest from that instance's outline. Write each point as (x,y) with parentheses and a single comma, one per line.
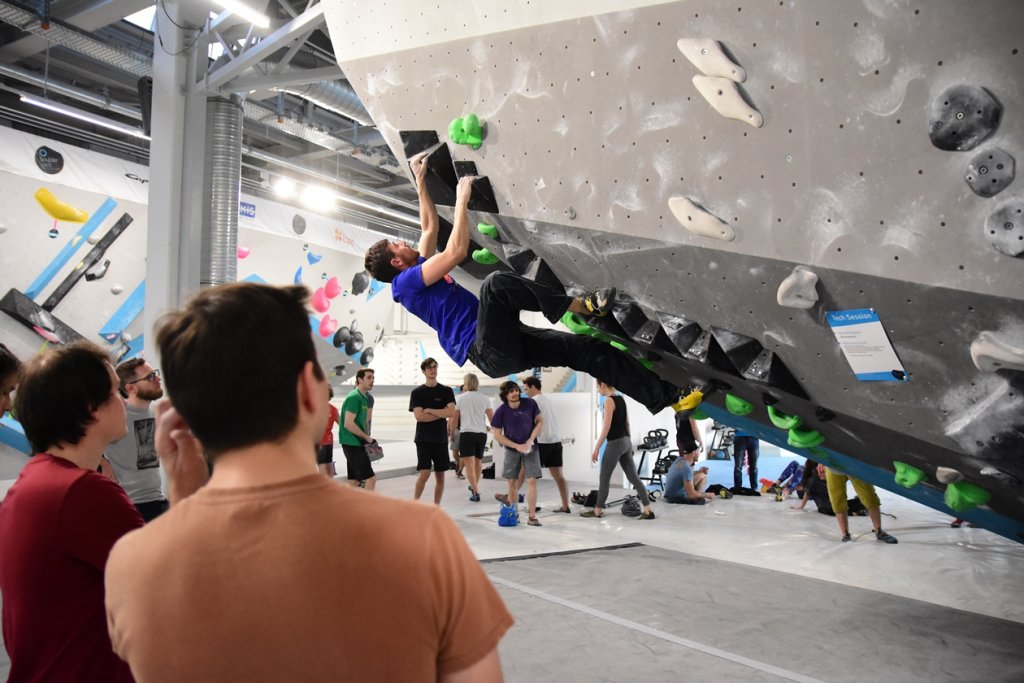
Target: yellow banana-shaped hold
(59,210)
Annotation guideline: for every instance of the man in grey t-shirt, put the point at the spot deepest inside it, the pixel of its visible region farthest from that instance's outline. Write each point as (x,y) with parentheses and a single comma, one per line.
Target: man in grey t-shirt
(134,457)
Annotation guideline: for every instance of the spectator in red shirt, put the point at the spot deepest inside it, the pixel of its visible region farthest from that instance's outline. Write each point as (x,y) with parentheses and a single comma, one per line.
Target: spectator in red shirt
(325,452)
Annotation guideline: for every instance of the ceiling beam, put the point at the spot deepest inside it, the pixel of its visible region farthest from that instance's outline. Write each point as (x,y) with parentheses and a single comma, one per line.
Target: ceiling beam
(288,78)
(88,16)
(281,38)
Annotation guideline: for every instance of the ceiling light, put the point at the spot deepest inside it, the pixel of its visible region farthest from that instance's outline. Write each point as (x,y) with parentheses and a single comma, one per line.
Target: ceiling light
(284,187)
(85,116)
(318,197)
(245,12)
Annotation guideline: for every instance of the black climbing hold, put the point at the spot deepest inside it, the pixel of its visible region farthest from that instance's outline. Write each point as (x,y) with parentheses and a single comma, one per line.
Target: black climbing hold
(355,343)
(341,337)
(768,399)
(366,357)
(415,141)
(645,332)
(683,332)
(752,361)
(97,271)
(483,196)
(360,281)
(1004,229)
(900,375)
(963,116)
(990,172)
(824,414)
(298,224)
(465,168)
(49,161)
(352,327)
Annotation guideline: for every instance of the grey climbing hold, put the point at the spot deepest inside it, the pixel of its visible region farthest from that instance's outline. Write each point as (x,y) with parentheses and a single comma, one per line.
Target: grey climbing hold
(798,290)
(990,172)
(947,475)
(708,56)
(990,353)
(1004,229)
(963,116)
(725,98)
(355,344)
(98,270)
(1000,475)
(698,220)
(360,282)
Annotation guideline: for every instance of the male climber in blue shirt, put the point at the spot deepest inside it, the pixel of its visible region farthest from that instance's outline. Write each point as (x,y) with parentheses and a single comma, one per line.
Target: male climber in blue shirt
(488,331)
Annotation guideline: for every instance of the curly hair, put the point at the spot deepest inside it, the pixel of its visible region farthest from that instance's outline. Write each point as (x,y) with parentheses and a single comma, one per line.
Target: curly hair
(505,389)
(378,262)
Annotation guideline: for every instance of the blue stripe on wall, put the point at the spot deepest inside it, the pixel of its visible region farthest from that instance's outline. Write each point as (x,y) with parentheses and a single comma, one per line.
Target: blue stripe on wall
(62,258)
(124,315)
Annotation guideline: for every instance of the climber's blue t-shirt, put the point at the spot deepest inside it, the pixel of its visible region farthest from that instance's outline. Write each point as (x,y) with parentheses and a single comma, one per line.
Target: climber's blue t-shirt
(449,309)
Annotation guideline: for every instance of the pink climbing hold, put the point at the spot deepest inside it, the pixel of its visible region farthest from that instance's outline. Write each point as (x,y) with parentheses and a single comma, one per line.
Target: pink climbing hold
(243,252)
(332,288)
(319,301)
(328,326)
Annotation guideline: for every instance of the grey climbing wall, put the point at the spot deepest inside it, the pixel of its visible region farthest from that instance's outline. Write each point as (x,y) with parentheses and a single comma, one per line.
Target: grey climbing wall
(883,164)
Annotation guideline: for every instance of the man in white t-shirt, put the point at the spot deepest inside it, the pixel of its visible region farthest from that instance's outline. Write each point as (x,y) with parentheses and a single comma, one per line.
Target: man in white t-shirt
(549,441)
(472,413)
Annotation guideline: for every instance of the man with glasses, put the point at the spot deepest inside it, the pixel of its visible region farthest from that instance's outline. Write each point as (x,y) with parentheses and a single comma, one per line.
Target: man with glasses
(134,457)
(432,404)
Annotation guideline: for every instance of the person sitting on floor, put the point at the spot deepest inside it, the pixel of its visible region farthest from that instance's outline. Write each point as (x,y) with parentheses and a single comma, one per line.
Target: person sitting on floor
(685,486)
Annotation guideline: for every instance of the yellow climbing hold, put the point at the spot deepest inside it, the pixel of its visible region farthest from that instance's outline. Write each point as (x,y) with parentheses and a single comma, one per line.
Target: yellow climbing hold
(59,210)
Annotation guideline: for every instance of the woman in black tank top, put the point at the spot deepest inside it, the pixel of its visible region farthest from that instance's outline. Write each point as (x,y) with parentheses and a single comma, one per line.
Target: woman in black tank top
(619,452)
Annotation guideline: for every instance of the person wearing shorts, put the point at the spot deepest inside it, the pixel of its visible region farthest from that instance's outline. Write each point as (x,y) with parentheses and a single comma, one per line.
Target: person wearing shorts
(432,404)
(516,423)
(353,434)
(473,413)
(549,441)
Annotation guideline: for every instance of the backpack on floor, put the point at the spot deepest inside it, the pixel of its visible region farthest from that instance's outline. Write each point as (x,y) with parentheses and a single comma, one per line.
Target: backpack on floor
(631,507)
(587,501)
(488,472)
(508,516)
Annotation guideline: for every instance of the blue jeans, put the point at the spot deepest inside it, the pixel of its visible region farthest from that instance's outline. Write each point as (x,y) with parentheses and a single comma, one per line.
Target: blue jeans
(744,445)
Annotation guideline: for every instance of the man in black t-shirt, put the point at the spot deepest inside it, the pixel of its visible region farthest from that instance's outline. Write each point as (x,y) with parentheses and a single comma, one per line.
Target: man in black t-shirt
(431,404)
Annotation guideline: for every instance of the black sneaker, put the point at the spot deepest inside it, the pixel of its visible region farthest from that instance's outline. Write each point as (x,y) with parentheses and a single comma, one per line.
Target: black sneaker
(884,537)
(847,538)
(599,302)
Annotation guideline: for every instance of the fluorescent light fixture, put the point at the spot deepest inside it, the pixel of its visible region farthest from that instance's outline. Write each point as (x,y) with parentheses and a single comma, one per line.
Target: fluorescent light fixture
(285,187)
(318,197)
(84,116)
(245,12)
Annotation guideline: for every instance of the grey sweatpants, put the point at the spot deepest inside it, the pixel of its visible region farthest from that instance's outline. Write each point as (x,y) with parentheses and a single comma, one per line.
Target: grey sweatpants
(619,452)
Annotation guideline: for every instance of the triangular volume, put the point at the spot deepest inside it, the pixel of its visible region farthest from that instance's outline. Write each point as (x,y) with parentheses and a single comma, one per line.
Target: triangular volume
(766,368)
(707,350)
(530,266)
(416,141)
(642,330)
(681,331)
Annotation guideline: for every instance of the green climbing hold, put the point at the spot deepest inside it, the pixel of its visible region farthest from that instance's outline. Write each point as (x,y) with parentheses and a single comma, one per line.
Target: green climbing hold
(782,420)
(619,345)
(484,257)
(804,438)
(907,476)
(466,131)
(486,229)
(699,414)
(575,323)
(963,496)
(737,406)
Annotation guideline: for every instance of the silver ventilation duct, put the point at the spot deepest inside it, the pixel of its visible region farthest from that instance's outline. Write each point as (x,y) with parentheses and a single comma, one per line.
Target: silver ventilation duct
(222,182)
(336,96)
(26,76)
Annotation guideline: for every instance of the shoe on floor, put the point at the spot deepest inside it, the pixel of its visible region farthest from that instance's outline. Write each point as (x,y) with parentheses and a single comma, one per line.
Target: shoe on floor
(565,509)
(501,498)
(884,537)
(847,538)
(957,523)
(533,521)
(526,510)
(598,303)
(647,515)
(590,513)
(475,498)
(522,498)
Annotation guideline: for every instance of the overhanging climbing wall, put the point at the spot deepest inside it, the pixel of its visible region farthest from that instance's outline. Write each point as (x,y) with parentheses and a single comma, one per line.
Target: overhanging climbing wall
(739,171)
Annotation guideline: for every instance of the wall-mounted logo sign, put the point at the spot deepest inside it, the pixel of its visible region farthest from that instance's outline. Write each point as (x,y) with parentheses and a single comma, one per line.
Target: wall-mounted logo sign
(298,224)
(247,209)
(49,160)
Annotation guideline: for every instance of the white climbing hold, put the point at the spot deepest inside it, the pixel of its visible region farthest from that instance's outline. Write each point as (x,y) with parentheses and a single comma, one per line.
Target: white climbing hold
(990,354)
(947,475)
(116,289)
(723,95)
(3,228)
(125,337)
(708,56)
(798,290)
(698,221)
(93,239)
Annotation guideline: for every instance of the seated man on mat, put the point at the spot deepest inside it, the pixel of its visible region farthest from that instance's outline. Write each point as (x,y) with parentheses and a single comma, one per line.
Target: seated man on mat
(684,485)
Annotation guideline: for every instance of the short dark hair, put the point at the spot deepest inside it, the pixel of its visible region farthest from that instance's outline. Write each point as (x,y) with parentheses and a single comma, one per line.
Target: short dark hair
(378,261)
(240,339)
(9,363)
(532,382)
(504,390)
(426,362)
(58,393)
(126,371)
(363,372)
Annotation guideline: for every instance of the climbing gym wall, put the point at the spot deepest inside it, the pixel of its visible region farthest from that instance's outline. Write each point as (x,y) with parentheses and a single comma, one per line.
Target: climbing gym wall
(811,206)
